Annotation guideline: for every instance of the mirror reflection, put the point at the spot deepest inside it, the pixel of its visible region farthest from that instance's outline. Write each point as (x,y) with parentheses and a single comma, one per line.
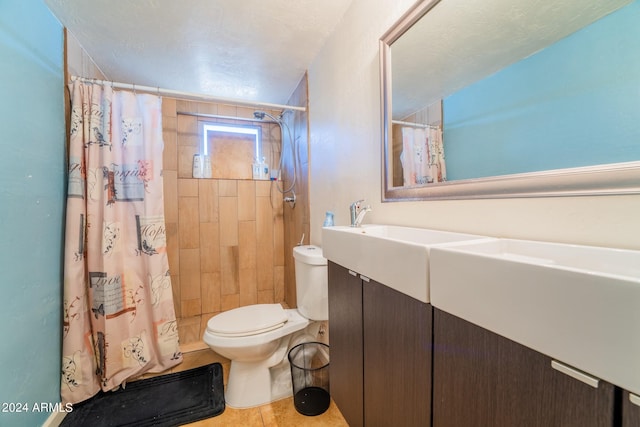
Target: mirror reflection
(510,87)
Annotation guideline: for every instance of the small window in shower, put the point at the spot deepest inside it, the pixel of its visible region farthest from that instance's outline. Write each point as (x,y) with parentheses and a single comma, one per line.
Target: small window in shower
(232,149)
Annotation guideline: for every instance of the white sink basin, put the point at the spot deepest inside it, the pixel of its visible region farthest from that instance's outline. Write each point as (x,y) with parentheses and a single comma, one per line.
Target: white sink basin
(577,304)
(395,256)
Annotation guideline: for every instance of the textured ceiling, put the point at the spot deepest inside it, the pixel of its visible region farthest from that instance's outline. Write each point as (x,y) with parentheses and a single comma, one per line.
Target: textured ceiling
(252,50)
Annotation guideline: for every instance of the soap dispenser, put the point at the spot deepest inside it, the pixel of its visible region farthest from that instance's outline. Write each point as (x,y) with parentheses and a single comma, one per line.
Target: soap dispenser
(328,219)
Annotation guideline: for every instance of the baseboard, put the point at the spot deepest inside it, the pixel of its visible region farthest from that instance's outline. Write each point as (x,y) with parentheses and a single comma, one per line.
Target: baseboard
(55,419)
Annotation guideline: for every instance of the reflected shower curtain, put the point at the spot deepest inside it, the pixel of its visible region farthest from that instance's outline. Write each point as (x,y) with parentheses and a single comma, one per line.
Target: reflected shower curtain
(119,318)
(422,156)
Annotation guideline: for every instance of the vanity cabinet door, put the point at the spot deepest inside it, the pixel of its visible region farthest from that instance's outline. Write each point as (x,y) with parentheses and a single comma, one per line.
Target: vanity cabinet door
(630,410)
(397,358)
(483,379)
(345,340)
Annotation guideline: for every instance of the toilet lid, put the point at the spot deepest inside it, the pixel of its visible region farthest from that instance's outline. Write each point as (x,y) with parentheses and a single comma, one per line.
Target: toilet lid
(248,320)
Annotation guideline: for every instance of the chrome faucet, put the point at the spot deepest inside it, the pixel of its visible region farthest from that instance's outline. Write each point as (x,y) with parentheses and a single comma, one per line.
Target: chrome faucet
(358,212)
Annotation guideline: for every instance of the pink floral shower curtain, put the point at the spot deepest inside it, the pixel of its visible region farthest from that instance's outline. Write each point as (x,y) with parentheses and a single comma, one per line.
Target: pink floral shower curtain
(119,319)
(422,156)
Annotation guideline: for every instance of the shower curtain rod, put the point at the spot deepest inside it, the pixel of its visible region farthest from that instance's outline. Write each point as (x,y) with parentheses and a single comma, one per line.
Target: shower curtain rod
(219,116)
(415,125)
(188,95)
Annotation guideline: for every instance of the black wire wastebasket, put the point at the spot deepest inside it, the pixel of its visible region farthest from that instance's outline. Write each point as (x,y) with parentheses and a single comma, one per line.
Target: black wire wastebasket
(310,376)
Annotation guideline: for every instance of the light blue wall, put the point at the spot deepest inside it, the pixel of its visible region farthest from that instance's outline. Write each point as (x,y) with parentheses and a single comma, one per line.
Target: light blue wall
(541,112)
(32,194)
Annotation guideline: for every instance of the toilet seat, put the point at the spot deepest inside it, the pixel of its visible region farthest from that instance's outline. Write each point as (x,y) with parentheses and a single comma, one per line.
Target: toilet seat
(249,320)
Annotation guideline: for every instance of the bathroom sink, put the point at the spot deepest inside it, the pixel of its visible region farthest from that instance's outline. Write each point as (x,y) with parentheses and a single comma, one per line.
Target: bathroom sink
(395,256)
(577,304)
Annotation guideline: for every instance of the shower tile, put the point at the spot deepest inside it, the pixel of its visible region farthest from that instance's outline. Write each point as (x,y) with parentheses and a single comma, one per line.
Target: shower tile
(170,137)
(277,204)
(278,283)
(229,270)
(188,187)
(208,200)
(247,244)
(188,222)
(229,302)
(190,260)
(246,200)
(188,130)
(189,274)
(185,106)
(173,247)
(211,298)
(203,322)
(185,160)
(189,329)
(265,297)
(228,221)
(210,259)
(168,108)
(264,221)
(207,108)
(227,110)
(245,112)
(264,268)
(190,286)
(170,188)
(248,291)
(263,188)
(278,243)
(191,307)
(175,288)
(228,188)
(209,247)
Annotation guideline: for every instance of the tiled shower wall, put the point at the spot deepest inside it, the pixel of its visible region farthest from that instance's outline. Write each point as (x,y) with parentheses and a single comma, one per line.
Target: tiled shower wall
(225,237)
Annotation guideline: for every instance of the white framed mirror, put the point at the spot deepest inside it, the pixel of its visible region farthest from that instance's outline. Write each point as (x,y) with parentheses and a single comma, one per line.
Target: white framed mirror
(511,98)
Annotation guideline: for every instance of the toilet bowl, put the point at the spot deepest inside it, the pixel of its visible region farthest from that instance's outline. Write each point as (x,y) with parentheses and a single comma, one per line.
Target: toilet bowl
(257,338)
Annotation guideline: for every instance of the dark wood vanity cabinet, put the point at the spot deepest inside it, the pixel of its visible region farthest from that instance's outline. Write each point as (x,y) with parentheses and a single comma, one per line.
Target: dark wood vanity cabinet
(483,379)
(630,411)
(345,341)
(397,358)
(380,342)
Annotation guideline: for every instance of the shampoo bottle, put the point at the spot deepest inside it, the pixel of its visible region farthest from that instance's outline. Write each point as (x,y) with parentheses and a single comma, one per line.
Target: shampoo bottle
(197,166)
(206,169)
(256,169)
(264,169)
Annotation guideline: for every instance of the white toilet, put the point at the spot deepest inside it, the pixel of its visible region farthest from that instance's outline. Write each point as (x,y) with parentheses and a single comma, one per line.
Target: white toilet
(257,338)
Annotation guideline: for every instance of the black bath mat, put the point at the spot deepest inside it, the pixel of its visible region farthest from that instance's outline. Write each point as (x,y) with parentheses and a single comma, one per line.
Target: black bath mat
(167,400)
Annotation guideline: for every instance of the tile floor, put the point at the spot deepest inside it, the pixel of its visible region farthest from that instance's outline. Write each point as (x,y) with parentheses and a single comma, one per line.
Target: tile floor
(277,414)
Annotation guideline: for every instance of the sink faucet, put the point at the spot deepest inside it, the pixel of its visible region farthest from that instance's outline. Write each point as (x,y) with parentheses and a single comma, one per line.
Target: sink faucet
(358,212)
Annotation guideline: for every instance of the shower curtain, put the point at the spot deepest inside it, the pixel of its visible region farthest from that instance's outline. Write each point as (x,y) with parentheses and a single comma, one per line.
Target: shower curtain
(422,156)
(118,319)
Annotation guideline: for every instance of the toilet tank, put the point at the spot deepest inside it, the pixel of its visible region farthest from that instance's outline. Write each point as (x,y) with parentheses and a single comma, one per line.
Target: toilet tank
(311,282)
